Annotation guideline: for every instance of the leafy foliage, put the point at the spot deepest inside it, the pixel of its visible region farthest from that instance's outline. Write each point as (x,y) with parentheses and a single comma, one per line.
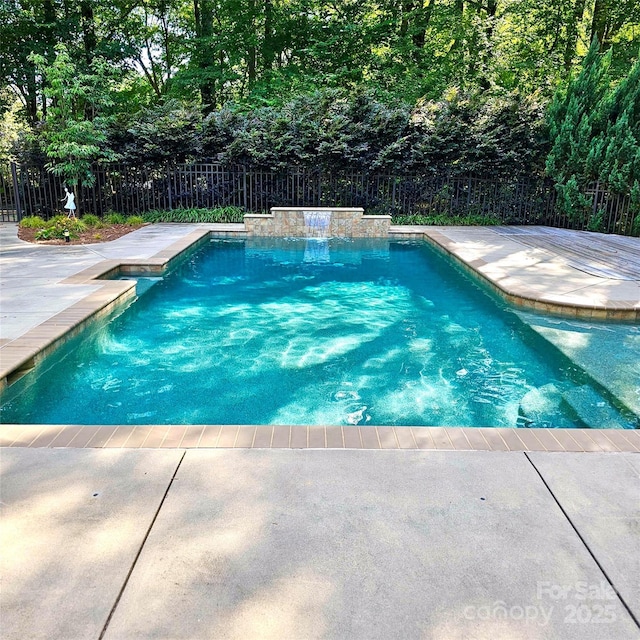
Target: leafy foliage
(160,134)
(501,134)
(91,221)
(115,218)
(223,214)
(32,222)
(265,52)
(457,86)
(442,219)
(74,130)
(595,131)
(13,129)
(56,227)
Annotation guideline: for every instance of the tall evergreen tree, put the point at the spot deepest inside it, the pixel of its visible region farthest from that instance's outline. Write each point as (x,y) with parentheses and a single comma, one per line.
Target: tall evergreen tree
(573,116)
(620,166)
(595,133)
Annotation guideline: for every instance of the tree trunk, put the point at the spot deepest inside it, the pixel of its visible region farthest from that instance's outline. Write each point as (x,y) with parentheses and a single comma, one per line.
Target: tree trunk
(203,11)
(407,8)
(423,18)
(88,29)
(600,24)
(491,11)
(251,49)
(268,45)
(575,18)
(48,29)
(31,98)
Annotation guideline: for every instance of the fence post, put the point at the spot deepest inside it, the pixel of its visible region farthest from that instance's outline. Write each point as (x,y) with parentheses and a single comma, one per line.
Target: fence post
(393,193)
(16,191)
(594,204)
(169,187)
(244,186)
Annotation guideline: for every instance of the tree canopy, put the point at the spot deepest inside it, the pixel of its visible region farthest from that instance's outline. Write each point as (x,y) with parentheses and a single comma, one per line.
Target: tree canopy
(266,51)
(493,86)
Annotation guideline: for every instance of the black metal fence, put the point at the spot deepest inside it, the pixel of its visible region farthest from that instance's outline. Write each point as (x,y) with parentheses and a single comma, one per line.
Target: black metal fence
(30,190)
(9,193)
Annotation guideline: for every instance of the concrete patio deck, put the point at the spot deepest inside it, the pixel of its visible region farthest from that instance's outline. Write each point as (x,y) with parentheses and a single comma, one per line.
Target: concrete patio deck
(297,544)
(277,539)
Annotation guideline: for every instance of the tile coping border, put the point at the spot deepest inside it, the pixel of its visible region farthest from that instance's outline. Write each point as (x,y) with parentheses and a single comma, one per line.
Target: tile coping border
(319,437)
(22,354)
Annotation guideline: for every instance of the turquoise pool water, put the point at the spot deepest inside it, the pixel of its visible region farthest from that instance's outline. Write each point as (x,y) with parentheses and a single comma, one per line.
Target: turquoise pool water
(311,332)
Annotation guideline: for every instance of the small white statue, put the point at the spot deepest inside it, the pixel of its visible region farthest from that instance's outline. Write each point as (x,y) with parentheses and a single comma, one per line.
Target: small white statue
(69,203)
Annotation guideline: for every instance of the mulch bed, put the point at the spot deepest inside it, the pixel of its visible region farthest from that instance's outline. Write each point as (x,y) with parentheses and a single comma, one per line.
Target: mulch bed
(90,236)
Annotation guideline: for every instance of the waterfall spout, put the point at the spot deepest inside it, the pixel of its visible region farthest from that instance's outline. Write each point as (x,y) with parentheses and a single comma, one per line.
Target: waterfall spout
(317,223)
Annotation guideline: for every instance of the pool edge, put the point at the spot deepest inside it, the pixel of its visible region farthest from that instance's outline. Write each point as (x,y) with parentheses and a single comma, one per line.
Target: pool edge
(20,355)
(457,439)
(518,299)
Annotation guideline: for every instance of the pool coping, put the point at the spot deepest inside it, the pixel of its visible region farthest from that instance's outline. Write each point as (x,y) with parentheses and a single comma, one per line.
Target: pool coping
(20,355)
(319,437)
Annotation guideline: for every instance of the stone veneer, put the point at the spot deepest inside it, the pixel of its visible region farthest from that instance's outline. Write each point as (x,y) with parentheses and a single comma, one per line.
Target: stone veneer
(289,222)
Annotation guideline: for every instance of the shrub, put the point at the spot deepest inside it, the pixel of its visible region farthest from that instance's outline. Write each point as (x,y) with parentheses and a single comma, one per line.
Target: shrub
(134,221)
(494,133)
(91,220)
(596,222)
(56,227)
(220,214)
(32,222)
(115,218)
(445,220)
(60,219)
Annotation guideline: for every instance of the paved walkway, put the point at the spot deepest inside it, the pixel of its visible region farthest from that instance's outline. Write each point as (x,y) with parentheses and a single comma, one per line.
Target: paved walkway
(302,543)
(609,256)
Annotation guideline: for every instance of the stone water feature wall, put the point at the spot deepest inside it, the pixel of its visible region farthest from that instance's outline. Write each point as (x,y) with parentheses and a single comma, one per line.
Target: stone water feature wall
(317,222)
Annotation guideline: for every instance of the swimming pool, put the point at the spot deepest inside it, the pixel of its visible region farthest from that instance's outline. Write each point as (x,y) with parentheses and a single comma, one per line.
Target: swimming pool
(268,331)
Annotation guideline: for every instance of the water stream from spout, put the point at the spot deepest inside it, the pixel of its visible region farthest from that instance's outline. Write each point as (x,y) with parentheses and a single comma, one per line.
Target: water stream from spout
(317,223)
